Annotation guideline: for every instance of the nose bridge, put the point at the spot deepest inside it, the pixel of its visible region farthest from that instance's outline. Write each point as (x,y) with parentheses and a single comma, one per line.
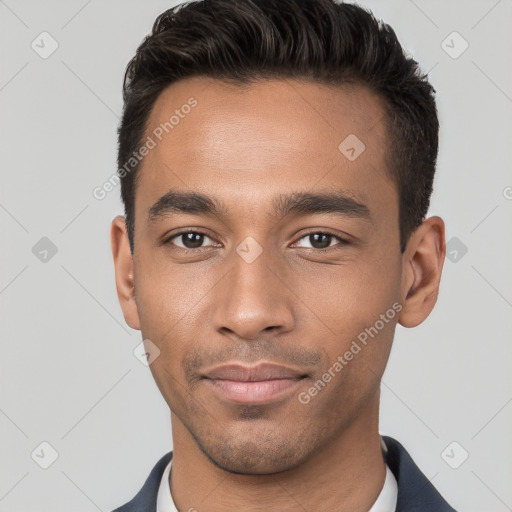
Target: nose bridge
(253,297)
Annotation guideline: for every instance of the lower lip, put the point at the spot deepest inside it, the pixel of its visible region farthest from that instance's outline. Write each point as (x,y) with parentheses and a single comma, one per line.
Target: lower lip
(253,392)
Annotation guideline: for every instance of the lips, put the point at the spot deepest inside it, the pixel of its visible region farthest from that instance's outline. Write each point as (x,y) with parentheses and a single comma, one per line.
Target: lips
(264,371)
(253,384)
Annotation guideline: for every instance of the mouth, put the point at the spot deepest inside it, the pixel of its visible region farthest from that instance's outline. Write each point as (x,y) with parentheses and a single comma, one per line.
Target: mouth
(253,385)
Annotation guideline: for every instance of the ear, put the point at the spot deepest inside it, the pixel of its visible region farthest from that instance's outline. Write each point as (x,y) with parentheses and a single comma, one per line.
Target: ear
(123,264)
(422,265)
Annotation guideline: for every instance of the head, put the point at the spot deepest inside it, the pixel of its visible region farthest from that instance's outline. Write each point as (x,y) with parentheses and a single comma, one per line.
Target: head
(276,160)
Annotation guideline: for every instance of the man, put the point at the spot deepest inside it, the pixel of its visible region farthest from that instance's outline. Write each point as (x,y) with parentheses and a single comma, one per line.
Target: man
(276,161)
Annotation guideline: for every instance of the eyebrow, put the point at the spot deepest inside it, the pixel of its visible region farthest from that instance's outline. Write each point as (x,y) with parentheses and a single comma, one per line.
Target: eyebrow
(304,203)
(296,203)
(185,202)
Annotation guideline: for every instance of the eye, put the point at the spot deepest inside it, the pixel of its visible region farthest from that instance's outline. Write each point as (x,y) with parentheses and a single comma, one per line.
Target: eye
(191,240)
(188,240)
(321,240)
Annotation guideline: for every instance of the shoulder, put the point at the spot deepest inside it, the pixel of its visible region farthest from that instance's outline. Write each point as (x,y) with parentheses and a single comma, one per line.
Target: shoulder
(145,499)
(415,491)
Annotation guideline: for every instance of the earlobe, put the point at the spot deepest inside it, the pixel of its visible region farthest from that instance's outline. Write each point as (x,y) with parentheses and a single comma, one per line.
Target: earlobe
(124,275)
(423,261)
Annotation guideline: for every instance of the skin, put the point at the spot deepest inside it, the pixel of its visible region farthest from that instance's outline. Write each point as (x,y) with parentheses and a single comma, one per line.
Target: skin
(295,304)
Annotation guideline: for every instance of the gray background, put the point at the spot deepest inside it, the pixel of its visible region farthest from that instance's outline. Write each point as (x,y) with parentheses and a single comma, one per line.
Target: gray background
(68,375)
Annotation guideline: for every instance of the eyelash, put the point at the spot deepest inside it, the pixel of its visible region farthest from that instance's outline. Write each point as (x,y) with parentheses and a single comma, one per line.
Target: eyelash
(342,241)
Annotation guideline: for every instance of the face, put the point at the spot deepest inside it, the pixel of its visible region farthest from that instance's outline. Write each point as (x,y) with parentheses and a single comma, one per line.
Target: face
(290,257)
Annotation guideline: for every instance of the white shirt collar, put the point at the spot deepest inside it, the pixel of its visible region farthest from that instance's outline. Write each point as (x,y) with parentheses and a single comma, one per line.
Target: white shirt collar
(386,501)
(164,502)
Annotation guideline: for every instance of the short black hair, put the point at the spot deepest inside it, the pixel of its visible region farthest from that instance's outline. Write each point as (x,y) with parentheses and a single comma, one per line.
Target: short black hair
(323,41)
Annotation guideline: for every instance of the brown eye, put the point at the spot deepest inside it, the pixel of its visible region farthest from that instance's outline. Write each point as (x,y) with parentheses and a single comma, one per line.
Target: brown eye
(321,240)
(188,240)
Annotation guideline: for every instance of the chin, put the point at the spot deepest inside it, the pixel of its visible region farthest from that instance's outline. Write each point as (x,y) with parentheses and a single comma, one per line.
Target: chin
(253,463)
(255,453)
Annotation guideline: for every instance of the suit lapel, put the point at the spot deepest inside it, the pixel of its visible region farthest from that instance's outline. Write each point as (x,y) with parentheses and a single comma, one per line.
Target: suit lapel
(145,499)
(415,491)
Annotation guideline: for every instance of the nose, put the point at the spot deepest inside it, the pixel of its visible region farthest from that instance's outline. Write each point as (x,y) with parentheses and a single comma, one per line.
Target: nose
(253,297)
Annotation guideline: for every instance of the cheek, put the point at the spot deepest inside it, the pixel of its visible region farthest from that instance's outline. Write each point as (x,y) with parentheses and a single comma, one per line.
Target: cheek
(171,300)
(169,294)
(356,310)
(350,296)
(356,359)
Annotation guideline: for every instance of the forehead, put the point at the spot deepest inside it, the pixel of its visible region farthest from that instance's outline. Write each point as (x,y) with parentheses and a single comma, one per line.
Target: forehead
(247,143)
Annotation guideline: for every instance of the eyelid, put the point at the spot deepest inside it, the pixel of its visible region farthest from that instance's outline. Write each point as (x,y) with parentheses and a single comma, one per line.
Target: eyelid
(167,239)
(342,239)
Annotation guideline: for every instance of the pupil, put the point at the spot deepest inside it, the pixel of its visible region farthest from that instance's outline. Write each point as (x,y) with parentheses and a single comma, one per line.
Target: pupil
(323,244)
(193,240)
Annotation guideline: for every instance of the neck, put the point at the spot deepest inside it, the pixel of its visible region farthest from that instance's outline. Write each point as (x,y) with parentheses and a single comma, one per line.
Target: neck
(346,475)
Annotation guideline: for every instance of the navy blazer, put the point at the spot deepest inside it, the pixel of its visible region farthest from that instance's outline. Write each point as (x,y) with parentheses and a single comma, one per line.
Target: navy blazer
(415,492)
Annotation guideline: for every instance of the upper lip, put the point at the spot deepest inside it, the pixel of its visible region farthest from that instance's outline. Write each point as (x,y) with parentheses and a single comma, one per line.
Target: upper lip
(260,372)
